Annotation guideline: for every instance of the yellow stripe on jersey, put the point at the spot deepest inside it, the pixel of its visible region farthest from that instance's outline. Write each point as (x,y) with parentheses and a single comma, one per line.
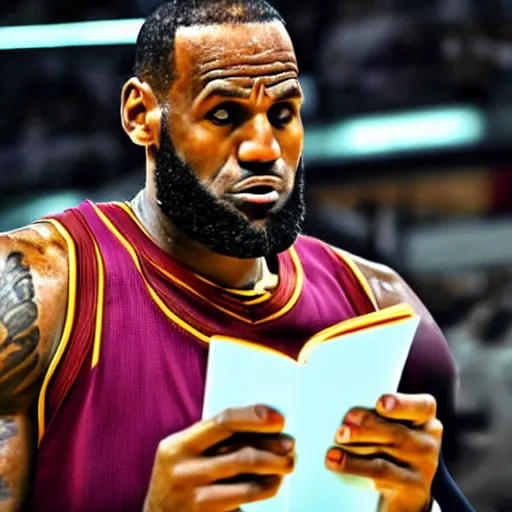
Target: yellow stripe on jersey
(166,311)
(359,275)
(68,324)
(100,300)
(299,281)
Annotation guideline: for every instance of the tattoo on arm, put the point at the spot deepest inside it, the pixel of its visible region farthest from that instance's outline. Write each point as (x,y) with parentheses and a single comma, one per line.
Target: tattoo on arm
(5,492)
(19,334)
(8,431)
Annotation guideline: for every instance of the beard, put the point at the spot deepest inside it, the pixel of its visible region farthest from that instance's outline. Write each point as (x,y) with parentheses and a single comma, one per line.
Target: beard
(219,226)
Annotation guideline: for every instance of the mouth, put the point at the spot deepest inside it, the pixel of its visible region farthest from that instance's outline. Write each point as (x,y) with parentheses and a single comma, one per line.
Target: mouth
(263,190)
(257,195)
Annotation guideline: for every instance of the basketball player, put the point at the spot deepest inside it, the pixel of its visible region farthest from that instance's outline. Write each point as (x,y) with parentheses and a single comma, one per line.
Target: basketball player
(106,310)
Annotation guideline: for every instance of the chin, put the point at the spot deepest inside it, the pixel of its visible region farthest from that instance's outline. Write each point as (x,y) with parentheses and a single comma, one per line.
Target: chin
(260,224)
(259,215)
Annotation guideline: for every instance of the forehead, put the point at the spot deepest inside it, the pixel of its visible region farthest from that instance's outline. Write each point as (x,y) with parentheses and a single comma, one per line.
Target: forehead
(240,53)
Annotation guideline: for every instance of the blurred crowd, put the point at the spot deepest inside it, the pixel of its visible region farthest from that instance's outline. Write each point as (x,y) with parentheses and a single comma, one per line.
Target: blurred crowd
(475,312)
(60,123)
(382,54)
(60,107)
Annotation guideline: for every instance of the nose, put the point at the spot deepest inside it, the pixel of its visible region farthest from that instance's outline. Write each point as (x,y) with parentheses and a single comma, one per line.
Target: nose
(259,145)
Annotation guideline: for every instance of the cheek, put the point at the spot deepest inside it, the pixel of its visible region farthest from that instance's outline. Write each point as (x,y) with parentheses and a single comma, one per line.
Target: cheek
(205,150)
(292,143)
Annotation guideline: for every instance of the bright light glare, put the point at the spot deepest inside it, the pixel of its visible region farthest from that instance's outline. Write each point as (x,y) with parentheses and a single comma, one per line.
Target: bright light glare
(89,33)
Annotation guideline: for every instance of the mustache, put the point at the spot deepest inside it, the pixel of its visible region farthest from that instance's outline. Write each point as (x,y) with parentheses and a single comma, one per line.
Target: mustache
(217,224)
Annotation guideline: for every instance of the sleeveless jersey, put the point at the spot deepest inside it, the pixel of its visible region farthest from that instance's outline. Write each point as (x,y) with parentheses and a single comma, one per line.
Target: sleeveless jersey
(131,365)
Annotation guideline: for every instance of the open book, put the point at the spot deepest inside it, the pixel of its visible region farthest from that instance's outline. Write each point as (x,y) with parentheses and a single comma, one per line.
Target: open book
(347,365)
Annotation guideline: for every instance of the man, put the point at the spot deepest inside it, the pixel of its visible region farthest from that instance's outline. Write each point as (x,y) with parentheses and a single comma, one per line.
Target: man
(106,310)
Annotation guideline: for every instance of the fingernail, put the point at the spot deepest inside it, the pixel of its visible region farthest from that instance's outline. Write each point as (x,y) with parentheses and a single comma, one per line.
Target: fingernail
(343,435)
(354,418)
(335,456)
(292,460)
(288,444)
(388,403)
(266,413)
(261,411)
(275,416)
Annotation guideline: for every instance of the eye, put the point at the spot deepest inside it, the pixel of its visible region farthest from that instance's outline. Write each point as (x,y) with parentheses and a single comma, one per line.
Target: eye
(281,114)
(226,114)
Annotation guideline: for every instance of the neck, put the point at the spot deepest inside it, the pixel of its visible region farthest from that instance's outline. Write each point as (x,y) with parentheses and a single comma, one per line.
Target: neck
(222,270)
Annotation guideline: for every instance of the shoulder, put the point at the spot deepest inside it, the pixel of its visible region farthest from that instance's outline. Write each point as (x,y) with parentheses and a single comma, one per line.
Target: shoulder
(431,367)
(388,287)
(41,247)
(33,297)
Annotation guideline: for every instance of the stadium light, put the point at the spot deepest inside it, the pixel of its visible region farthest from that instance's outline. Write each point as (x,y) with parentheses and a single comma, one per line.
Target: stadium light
(376,135)
(360,137)
(89,33)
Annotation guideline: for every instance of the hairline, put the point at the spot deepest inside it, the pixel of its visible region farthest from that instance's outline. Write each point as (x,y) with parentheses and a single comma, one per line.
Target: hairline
(228,23)
(184,27)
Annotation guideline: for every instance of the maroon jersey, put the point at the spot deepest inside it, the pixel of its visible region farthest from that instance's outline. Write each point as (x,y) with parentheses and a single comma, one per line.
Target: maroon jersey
(130,367)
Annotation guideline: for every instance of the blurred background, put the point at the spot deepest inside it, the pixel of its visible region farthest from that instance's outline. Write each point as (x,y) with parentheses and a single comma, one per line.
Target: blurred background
(408,151)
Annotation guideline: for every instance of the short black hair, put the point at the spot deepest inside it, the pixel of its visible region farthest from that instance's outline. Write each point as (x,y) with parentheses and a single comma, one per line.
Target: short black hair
(154,60)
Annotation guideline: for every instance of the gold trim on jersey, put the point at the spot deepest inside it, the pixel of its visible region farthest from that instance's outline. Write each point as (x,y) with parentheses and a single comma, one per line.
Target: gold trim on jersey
(68,324)
(100,301)
(394,314)
(259,297)
(359,275)
(299,281)
(167,312)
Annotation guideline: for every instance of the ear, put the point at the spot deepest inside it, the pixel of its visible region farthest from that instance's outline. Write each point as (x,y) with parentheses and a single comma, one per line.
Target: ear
(140,113)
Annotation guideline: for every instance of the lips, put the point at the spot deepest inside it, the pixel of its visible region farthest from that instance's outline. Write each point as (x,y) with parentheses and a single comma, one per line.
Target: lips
(257,181)
(257,190)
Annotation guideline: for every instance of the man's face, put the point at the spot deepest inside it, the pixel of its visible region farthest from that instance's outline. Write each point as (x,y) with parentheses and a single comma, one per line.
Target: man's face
(228,169)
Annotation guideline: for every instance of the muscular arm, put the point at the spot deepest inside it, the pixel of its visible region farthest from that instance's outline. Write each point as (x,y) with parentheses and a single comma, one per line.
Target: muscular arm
(15,455)
(440,371)
(33,295)
(440,374)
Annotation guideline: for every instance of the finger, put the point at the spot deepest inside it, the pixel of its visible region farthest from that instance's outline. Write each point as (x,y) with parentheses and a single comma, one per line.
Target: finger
(376,435)
(205,434)
(384,473)
(410,454)
(247,461)
(363,422)
(222,498)
(365,426)
(357,416)
(418,409)
(280,444)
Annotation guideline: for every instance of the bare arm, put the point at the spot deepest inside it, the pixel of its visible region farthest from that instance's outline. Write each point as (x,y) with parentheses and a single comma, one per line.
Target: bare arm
(389,289)
(16,447)
(33,295)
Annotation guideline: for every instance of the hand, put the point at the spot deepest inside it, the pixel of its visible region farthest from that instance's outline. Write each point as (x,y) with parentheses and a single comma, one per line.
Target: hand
(239,456)
(397,445)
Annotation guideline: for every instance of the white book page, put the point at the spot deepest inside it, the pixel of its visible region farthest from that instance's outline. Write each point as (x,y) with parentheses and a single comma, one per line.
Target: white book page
(239,375)
(354,370)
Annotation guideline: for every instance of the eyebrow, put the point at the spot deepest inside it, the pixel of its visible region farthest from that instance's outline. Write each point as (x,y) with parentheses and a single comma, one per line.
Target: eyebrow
(291,92)
(225,90)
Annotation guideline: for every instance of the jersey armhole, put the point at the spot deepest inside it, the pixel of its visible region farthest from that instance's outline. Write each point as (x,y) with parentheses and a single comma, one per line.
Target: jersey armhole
(347,260)
(68,323)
